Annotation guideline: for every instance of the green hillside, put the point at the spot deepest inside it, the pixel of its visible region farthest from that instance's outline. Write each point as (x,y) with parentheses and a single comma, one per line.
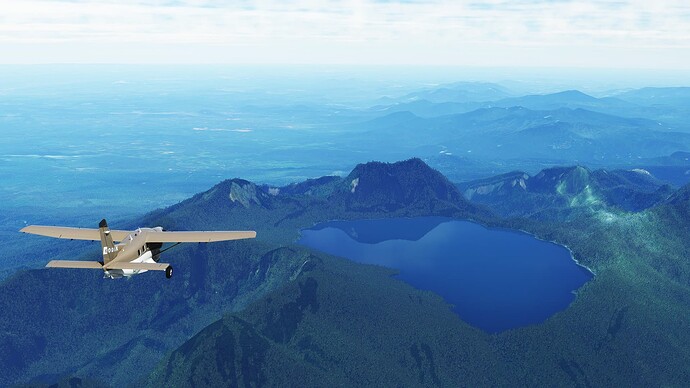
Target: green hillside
(338,324)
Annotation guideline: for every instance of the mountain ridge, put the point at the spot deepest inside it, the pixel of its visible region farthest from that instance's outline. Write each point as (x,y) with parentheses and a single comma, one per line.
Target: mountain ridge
(568,188)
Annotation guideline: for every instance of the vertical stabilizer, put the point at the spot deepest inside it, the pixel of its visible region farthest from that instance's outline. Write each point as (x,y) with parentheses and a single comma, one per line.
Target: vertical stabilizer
(109,248)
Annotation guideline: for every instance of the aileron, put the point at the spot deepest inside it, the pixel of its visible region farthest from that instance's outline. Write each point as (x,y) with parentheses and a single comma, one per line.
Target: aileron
(138,266)
(73,233)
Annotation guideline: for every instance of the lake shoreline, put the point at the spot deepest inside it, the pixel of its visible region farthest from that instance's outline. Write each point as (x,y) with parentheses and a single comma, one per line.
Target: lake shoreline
(519,278)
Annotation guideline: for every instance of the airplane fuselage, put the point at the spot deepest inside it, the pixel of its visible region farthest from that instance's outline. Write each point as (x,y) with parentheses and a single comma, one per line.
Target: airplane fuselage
(134,249)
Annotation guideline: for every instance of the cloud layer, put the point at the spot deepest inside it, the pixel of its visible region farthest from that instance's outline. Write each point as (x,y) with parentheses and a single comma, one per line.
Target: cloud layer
(631,34)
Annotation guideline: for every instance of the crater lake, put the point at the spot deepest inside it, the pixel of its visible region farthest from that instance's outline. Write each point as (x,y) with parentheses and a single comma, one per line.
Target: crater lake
(495,279)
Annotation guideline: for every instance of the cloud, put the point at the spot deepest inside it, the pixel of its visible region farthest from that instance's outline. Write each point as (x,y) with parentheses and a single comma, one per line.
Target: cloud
(241,130)
(364,31)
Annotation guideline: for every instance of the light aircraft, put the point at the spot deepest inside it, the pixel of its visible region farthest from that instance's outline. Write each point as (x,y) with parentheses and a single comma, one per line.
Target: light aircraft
(137,251)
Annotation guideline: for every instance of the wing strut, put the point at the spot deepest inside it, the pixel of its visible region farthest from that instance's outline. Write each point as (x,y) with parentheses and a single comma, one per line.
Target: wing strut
(168,248)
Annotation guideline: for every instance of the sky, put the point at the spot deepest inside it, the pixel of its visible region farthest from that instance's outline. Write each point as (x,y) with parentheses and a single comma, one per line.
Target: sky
(623,34)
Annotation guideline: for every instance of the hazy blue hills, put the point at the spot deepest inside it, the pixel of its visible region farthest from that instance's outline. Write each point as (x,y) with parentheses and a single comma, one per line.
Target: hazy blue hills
(454,98)
(461,92)
(192,133)
(674,168)
(679,158)
(519,133)
(572,99)
(630,129)
(665,105)
(426,108)
(671,96)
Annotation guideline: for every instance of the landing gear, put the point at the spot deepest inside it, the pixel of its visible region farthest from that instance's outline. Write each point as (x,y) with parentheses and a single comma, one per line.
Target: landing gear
(168,272)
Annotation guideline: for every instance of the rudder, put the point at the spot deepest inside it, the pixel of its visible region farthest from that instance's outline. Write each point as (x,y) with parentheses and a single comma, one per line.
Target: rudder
(109,249)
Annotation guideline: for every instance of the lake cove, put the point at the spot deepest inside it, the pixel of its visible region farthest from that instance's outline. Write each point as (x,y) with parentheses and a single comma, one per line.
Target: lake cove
(496,279)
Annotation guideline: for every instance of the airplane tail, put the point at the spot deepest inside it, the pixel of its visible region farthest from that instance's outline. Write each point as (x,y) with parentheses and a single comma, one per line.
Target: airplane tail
(109,248)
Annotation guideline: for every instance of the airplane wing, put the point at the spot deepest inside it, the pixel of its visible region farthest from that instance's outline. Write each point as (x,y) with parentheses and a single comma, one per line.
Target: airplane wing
(73,233)
(74,264)
(182,237)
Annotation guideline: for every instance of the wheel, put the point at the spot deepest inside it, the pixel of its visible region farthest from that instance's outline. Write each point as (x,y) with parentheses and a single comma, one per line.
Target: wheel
(168,272)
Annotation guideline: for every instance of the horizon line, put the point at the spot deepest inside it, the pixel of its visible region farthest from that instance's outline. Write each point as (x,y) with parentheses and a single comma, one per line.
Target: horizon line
(357,65)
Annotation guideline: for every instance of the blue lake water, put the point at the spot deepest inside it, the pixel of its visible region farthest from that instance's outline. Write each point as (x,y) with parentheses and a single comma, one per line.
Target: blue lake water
(496,279)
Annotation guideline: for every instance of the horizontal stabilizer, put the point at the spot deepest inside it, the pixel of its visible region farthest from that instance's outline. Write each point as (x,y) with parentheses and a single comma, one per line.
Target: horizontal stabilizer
(74,264)
(73,233)
(182,237)
(137,266)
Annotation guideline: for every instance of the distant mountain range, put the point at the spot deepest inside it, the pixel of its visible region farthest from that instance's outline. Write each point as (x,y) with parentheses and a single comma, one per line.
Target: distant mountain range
(571,99)
(458,92)
(518,133)
(661,104)
(266,312)
(492,128)
(650,96)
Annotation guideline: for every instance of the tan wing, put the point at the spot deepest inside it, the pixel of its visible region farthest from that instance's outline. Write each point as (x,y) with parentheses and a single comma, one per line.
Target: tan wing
(182,237)
(139,266)
(73,233)
(74,264)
